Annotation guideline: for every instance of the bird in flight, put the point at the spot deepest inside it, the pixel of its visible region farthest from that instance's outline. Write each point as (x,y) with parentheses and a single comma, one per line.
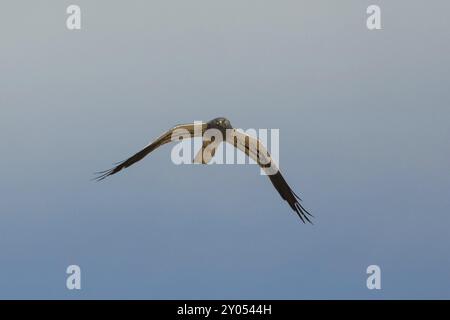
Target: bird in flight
(251,146)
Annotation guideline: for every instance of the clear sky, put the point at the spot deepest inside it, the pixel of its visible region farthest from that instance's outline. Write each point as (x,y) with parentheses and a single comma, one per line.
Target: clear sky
(364,125)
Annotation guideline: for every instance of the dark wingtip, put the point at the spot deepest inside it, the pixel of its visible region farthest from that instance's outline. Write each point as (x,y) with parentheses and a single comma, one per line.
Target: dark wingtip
(301,208)
(101,175)
(300,216)
(302,212)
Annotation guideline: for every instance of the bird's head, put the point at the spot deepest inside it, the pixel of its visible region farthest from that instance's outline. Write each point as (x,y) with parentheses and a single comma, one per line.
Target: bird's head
(221,124)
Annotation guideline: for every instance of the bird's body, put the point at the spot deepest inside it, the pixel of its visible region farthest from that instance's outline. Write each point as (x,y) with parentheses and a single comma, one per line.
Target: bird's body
(252,147)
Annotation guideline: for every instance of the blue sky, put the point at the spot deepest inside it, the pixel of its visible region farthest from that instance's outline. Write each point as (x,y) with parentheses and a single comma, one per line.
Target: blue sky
(364,138)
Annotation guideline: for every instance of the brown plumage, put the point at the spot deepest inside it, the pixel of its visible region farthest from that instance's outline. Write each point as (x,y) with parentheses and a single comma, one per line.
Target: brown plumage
(251,146)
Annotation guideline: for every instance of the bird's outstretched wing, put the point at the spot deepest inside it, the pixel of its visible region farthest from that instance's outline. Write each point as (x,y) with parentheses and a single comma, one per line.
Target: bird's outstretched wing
(193,129)
(254,149)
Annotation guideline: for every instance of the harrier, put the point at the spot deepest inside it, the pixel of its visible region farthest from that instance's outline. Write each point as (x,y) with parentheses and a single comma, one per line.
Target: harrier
(251,146)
